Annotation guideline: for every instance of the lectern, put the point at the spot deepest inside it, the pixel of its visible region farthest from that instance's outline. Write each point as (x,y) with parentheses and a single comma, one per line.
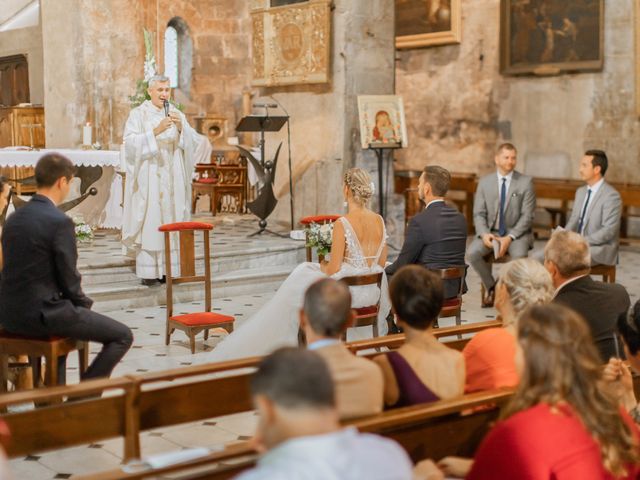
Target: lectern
(266,200)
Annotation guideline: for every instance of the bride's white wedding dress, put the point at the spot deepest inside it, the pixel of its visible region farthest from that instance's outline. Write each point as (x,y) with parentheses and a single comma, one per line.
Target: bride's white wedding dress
(275,325)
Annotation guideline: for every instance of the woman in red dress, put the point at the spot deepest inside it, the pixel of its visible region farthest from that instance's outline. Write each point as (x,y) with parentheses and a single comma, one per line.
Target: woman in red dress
(561,423)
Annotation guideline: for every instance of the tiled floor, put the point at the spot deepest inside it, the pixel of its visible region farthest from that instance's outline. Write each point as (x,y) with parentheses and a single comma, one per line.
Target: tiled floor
(149,353)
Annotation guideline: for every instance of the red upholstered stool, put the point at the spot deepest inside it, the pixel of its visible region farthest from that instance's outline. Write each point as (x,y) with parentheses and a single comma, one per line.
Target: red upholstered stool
(36,348)
(319,219)
(191,323)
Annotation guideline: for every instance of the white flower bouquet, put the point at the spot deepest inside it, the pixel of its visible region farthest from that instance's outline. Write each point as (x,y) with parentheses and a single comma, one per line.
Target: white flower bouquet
(84,232)
(320,237)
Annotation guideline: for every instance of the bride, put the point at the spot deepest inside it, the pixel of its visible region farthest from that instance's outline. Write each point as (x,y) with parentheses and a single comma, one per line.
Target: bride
(358,248)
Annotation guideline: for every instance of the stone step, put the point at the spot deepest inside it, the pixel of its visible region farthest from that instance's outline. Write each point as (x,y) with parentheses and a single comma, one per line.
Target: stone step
(113,296)
(123,271)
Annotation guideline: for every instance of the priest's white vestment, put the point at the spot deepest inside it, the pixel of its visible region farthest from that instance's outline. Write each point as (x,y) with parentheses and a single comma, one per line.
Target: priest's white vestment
(157,186)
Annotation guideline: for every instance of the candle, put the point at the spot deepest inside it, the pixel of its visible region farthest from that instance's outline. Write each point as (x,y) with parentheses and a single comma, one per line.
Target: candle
(86,134)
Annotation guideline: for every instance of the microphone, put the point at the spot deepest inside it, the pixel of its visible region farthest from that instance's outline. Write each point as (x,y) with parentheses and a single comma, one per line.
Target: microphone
(166,108)
(265,105)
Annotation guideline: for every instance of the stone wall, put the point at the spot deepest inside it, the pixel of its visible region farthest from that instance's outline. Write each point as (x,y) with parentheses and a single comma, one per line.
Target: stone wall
(27,41)
(459,107)
(98,56)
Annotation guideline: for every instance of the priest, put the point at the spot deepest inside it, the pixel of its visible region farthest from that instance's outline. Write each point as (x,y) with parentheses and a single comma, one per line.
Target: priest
(160,149)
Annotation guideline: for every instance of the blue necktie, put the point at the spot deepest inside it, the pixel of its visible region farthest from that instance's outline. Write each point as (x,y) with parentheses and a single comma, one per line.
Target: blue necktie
(502,228)
(584,211)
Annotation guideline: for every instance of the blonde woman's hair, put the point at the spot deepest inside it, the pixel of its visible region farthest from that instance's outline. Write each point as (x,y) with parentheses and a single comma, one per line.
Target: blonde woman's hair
(528,283)
(562,367)
(359,184)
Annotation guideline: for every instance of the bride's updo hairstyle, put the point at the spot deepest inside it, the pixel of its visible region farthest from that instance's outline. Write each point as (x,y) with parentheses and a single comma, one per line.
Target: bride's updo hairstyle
(359,184)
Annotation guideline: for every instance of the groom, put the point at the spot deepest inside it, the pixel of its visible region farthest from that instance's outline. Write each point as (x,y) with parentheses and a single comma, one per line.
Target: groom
(437,236)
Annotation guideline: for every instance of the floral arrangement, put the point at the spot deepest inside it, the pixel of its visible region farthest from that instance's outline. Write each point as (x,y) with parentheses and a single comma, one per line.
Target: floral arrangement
(320,236)
(142,86)
(84,232)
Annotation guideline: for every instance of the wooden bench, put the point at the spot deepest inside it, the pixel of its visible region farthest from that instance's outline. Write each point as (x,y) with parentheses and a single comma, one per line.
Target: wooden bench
(143,402)
(431,430)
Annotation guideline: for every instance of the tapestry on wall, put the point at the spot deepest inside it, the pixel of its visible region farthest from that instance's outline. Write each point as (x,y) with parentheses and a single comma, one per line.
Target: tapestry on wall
(423,23)
(291,43)
(547,37)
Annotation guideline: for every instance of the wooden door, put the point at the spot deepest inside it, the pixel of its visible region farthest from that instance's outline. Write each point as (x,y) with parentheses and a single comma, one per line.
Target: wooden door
(14,80)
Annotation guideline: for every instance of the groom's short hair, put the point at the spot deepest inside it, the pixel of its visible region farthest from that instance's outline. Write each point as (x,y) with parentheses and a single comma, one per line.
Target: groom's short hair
(327,306)
(439,178)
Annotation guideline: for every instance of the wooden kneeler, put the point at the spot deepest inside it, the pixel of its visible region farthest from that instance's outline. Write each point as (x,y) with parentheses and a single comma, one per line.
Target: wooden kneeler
(191,323)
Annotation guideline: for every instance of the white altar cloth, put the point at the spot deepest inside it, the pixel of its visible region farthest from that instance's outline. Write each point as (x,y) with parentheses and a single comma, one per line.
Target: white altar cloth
(103,210)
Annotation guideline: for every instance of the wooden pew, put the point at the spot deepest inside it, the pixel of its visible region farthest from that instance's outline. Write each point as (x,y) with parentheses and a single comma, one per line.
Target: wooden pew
(432,430)
(152,400)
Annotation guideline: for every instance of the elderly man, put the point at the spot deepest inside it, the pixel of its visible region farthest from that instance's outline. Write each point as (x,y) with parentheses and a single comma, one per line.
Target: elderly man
(298,427)
(567,258)
(159,152)
(503,211)
(325,316)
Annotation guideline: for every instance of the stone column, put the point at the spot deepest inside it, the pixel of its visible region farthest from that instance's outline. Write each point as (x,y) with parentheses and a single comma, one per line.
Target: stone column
(325,138)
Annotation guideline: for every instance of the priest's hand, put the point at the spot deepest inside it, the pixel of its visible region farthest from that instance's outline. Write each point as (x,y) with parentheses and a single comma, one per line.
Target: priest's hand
(176,120)
(164,124)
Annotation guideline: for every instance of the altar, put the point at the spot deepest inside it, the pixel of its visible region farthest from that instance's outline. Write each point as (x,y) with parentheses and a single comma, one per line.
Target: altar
(103,210)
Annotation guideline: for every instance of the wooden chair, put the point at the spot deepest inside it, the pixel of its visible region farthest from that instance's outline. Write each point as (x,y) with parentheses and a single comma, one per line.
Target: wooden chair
(608,272)
(365,316)
(191,323)
(204,185)
(452,307)
(320,219)
(37,348)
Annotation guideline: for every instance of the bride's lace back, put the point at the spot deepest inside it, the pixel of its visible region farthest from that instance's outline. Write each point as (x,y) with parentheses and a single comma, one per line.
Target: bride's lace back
(354,255)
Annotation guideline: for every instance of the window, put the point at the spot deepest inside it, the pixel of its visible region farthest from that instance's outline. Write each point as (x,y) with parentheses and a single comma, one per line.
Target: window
(171,55)
(178,54)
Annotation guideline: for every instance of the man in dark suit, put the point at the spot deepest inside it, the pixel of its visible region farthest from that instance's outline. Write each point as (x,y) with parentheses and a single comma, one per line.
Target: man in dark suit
(567,258)
(40,293)
(437,236)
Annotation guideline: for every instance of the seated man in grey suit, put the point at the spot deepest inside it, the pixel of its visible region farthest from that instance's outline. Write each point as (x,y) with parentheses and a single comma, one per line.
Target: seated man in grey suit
(437,236)
(566,257)
(597,209)
(503,211)
(325,316)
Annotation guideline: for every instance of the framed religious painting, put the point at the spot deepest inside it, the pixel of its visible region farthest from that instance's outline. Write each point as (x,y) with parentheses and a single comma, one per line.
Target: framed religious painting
(382,121)
(425,23)
(547,37)
(291,42)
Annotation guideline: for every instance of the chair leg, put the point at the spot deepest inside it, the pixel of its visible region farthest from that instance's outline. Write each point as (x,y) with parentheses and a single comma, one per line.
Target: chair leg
(61,365)
(206,333)
(36,371)
(167,335)
(375,328)
(51,372)
(4,373)
(83,357)
(192,341)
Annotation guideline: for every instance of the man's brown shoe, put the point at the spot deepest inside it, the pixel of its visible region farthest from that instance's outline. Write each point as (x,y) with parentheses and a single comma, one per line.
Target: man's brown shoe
(489,297)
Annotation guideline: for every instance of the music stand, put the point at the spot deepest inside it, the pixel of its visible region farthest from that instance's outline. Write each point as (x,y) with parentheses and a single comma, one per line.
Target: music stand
(265,202)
